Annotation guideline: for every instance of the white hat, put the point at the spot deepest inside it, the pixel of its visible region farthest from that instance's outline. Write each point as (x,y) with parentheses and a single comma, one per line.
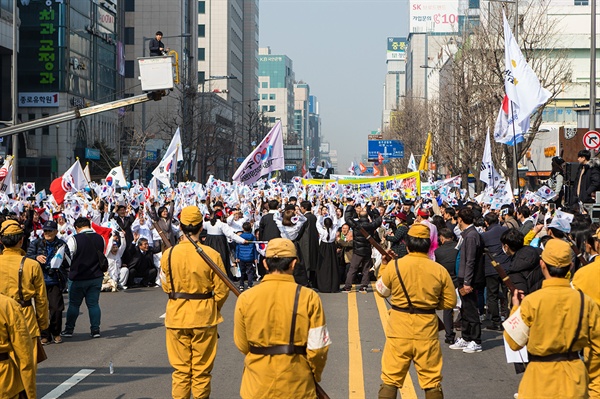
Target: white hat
(561,224)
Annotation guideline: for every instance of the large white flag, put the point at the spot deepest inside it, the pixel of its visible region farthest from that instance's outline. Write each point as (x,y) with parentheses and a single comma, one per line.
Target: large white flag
(412,164)
(520,83)
(75,178)
(116,177)
(507,129)
(6,171)
(266,158)
(488,173)
(168,164)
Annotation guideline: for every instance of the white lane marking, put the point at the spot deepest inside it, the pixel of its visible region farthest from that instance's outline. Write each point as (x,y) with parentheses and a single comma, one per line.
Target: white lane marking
(68,384)
(163,316)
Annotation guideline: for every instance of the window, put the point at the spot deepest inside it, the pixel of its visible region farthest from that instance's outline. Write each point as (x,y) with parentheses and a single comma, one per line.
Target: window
(129,69)
(129,35)
(265,108)
(201,54)
(201,30)
(129,5)
(264,85)
(31,118)
(46,129)
(200,77)
(271,96)
(201,7)
(264,96)
(582,2)
(474,4)
(271,108)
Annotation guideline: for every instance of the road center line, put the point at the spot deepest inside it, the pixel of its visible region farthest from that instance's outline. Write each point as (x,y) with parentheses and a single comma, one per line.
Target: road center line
(356,383)
(68,384)
(408,389)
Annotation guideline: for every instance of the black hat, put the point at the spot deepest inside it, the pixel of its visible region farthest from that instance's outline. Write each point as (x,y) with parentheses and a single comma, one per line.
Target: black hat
(407,201)
(558,160)
(50,226)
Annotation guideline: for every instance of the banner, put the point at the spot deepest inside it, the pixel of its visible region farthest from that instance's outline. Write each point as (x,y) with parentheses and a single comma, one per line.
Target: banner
(267,157)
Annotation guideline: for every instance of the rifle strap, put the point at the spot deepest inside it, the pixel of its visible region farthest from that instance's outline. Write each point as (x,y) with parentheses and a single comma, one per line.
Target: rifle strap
(578,323)
(410,305)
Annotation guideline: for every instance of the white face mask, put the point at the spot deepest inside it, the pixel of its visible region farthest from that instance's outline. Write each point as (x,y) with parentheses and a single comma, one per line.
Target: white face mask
(504,250)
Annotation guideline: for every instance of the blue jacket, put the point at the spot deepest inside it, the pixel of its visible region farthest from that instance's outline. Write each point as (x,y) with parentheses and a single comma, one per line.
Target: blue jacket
(246,252)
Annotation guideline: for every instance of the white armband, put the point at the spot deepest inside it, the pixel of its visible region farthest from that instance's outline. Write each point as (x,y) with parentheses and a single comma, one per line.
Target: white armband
(516,328)
(382,288)
(318,338)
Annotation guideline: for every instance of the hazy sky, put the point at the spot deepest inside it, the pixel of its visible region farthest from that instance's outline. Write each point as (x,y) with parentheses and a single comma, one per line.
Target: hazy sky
(339,48)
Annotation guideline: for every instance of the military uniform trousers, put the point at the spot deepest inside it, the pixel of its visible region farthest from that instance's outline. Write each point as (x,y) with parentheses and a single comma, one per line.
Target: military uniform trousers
(192,353)
(425,353)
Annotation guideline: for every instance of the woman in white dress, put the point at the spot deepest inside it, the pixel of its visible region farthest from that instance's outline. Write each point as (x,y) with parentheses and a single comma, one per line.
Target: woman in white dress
(217,233)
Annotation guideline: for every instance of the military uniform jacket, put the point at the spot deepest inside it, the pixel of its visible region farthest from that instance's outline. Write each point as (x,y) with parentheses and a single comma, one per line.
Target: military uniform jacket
(429,286)
(587,279)
(14,337)
(552,313)
(192,275)
(263,317)
(34,288)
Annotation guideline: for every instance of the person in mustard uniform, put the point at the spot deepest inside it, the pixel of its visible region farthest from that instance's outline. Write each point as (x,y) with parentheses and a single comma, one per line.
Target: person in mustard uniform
(587,280)
(414,337)
(32,299)
(280,327)
(555,322)
(17,367)
(196,295)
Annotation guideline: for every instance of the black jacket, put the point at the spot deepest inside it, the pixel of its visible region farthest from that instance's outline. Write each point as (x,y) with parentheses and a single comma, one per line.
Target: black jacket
(362,246)
(154,47)
(525,271)
(590,181)
(491,241)
(471,270)
(398,240)
(308,241)
(267,228)
(141,261)
(446,255)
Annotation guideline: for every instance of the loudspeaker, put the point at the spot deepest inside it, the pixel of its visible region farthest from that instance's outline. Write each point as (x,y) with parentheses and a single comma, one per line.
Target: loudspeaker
(571,172)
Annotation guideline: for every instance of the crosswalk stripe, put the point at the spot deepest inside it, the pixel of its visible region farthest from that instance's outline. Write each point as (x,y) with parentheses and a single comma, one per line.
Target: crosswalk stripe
(356,382)
(68,384)
(408,389)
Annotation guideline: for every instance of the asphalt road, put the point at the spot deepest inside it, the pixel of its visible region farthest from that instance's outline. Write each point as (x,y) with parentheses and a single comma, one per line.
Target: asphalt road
(133,336)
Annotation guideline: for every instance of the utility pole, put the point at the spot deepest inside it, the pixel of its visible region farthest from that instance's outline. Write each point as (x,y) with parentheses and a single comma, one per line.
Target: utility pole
(593,67)
(15,101)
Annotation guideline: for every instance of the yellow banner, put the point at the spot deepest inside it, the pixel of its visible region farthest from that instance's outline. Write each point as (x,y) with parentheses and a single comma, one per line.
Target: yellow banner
(405,181)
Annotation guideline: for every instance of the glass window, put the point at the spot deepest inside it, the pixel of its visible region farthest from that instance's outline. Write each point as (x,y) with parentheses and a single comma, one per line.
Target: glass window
(271,108)
(582,2)
(201,54)
(200,77)
(271,96)
(129,5)
(201,7)
(265,108)
(264,85)
(473,3)
(129,35)
(31,118)
(129,69)
(201,30)
(264,96)
(46,129)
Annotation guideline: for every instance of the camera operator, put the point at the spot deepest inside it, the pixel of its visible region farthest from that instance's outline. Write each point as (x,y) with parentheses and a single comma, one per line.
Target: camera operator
(157,48)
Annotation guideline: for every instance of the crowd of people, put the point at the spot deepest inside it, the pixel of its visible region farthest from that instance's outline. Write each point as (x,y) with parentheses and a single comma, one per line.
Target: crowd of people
(434,249)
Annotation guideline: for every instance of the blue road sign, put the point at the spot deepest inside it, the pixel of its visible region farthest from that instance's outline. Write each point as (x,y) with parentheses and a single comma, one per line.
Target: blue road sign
(239,159)
(387,148)
(92,153)
(290,168)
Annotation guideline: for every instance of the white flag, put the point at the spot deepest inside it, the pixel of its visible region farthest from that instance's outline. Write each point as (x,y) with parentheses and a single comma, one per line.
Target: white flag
(175,148)
(488,173)
(507,129)
(86,173)
(58,258)
(153,187)
(164,169)
(116,177)
(412,164)
(74,177)
(520,82)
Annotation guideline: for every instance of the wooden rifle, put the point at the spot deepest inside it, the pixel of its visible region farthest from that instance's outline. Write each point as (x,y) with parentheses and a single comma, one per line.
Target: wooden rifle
(162,234)
(321,394)
(500,270)
(388,257)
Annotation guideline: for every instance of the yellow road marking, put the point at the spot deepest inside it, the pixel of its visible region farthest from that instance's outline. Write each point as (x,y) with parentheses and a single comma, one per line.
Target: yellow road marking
(356,382)
(408,389)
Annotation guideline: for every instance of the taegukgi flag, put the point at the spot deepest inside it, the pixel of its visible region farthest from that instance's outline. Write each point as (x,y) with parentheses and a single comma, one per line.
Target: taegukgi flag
(267,157)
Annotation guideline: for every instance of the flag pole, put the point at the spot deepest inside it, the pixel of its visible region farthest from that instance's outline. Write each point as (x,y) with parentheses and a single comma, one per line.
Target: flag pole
(515,162)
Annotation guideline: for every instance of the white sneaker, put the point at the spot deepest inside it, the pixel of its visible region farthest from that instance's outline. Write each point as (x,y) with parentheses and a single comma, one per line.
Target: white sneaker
(459,344)
(472,347)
